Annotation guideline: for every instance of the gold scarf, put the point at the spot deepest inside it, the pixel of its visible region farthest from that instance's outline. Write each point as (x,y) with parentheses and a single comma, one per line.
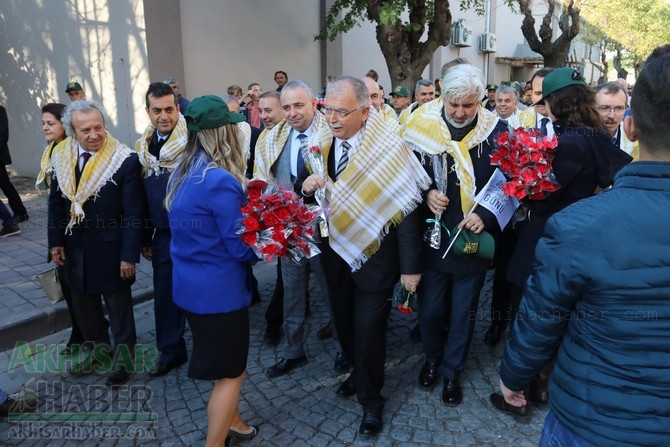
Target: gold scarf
(100,169)
(43,181)
(271,143)
(171,151)
(381,184)
(426,136)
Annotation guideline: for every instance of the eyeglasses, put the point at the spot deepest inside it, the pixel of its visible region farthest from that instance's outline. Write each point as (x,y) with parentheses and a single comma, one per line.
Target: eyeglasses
(608,109)
(339,112)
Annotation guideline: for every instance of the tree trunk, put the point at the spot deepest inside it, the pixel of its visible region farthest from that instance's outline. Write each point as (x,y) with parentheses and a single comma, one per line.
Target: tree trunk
(620,71)
(555,53)
(406,57)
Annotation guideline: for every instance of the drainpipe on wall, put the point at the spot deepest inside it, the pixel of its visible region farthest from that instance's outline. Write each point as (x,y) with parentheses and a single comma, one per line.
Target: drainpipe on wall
(487,29)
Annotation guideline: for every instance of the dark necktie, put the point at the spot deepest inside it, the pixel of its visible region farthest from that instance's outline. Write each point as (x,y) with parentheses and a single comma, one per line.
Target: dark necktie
(543,126)
(300,165)
(85,156)
(344,159)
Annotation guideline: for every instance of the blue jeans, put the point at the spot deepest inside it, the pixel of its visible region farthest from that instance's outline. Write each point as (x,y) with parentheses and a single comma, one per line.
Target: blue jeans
(3,396)
(555,434)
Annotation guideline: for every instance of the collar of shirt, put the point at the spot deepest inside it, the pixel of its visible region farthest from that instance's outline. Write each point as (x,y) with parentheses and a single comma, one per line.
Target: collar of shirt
(352,140)
(160,137)
(550,126)
(295,147)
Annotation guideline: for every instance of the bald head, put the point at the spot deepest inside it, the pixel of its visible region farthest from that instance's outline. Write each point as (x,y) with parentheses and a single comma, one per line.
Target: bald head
(376,97)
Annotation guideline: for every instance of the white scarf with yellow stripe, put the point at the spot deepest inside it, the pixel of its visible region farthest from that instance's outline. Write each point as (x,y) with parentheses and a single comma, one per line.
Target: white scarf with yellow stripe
(171,151)
(270,145)
(100,169)
(381,184)
(43,181)
(426,136)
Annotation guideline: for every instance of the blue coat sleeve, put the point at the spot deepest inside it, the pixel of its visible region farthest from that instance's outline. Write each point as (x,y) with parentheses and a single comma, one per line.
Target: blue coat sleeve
(547,304)
(225,201)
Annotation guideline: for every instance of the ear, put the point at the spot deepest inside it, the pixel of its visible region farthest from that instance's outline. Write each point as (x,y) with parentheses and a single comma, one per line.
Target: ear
(629,128)
(365,112)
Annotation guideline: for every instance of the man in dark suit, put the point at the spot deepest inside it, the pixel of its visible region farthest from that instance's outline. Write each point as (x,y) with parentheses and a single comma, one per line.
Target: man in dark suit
(160,149)
(95,230)
(374,183)
(15,203)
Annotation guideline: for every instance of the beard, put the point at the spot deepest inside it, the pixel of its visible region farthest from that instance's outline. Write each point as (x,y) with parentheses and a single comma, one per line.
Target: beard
(460,125)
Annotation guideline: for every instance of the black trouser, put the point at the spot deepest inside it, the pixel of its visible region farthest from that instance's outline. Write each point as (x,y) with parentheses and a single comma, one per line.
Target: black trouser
(501,313)
(10,192)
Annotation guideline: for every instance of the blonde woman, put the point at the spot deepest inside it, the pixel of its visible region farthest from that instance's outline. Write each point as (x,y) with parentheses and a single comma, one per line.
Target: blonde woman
(211,280)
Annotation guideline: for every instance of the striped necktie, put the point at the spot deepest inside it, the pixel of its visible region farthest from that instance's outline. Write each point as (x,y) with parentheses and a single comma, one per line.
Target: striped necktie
(344,159)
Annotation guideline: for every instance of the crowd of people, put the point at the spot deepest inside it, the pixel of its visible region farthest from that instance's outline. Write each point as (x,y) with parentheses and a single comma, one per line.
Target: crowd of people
(394,175)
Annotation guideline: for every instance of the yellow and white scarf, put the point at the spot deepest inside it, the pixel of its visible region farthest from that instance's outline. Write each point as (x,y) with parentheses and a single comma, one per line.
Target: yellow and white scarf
(270,145)
(428,138)
(171,151)
(381,184)
(43,181)
(528,119)
(99,170)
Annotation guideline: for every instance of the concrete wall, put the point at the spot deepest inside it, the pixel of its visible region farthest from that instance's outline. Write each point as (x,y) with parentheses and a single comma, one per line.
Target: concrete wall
(46,44)
(244,41)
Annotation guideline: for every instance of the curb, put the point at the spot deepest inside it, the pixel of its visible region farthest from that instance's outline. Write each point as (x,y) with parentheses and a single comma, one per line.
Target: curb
(47,321)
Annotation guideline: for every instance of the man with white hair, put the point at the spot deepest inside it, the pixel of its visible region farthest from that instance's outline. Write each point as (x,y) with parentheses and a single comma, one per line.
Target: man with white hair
(96,206)
(506,105)
(456,135)
(424,91)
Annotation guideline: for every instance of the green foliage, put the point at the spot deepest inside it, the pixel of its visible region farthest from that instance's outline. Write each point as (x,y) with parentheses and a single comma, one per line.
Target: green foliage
(356,11)
(638,26)
(479,6)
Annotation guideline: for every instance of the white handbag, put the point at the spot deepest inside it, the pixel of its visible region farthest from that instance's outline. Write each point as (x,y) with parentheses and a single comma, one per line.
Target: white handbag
(51,285)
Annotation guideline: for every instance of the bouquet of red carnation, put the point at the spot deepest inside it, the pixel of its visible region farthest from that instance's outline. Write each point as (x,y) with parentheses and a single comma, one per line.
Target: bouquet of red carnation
(525,156)
(276,222)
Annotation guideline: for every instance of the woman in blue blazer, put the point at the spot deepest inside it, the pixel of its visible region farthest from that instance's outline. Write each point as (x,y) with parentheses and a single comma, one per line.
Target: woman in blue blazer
(211,280)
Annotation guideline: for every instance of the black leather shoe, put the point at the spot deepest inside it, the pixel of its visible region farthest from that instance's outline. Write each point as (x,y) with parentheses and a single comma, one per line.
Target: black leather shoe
(499,402)
(341,364)
(348,387)
(239,434)
(164,368)
(22,218)
(451,393)
(285,366)
(539,391)
(493,334)
(86,367)
(371,424)
(325,332)
(272,336)
(415,336)
(428,375)
(118,377)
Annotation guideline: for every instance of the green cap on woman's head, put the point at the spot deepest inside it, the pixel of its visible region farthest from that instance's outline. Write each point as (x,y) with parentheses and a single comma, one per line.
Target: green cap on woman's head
(209,112)
(558,79)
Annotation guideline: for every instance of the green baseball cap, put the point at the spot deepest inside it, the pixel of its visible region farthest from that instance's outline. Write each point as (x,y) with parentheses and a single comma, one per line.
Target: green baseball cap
(469,244)
(209,112)
(400,91)
(73,86)
(558,79)
(491,87)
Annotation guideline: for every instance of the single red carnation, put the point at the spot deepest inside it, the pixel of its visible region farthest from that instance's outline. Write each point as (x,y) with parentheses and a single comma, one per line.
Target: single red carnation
(250,238)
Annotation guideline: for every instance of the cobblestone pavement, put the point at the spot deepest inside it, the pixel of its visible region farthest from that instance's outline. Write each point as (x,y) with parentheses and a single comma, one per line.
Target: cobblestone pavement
(300,409)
